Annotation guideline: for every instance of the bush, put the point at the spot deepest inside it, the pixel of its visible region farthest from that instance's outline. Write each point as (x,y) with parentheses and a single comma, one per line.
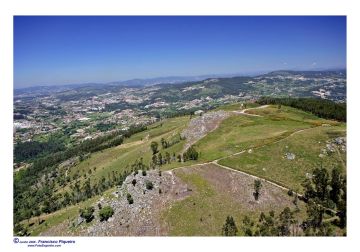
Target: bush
(149,185)
(129,198)
(290,192)
(257,187)
(87,213)
(191,154)
(133,182)
(229,228)
(144,172)
(105,213)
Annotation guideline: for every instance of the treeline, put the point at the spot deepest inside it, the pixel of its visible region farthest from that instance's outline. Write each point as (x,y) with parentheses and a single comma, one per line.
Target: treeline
(168,143)
(322,108)
(29,150)
(25,180)
(105,126)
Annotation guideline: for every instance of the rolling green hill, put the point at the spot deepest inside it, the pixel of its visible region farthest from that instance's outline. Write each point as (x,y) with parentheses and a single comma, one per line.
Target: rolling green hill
(278,144)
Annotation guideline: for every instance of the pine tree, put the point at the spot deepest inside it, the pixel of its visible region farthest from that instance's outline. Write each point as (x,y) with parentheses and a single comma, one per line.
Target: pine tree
(229,228)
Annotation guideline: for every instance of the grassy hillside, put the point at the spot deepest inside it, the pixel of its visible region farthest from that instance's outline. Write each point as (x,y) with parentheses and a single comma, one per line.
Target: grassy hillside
(119,158)
(270,162)
(218,193)
(254,144)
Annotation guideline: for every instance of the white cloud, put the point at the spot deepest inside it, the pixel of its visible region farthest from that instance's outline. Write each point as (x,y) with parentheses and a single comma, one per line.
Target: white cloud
(313,64)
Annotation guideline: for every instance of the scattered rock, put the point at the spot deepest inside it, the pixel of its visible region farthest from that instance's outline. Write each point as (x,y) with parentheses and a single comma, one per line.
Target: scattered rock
(290,156)
(200,126)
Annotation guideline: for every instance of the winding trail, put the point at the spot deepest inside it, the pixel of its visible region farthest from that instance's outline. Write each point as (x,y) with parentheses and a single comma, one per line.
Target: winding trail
(215,162)
(243,112)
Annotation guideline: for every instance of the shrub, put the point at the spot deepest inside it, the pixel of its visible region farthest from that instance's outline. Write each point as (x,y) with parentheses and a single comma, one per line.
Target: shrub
(257,187)
(129,198)
(290,192)
(144,172)
(191,154)
(133,182)
(149,185)
(105,213)
(87,213)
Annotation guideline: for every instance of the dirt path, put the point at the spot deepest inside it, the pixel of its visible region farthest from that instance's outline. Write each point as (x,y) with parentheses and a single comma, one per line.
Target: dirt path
(243,112)
(251,175)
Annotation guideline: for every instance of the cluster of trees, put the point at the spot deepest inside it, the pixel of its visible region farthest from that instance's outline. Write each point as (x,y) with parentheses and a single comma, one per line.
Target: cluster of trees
(166,144)
(284,224)
(324,193)
(320,107)
(190,154)
(27,151)
(161,159)
(105,126)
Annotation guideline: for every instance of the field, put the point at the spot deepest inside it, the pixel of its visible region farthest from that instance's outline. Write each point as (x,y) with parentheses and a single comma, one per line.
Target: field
(271,163)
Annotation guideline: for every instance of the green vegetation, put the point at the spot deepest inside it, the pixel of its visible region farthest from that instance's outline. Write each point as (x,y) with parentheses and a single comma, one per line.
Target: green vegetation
(129,198)
(271,225)
(204,211)
(190,154)
(270,161)
(149,185)
(255,145)
(105,126)
(105,213)
(28,151)
(320,107)
(257,187)
(229,228)
(324,191)
(154,147)
(87,213)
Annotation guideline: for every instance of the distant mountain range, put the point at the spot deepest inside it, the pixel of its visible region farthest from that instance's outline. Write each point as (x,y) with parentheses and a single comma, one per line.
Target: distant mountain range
(131,82)
(329,84)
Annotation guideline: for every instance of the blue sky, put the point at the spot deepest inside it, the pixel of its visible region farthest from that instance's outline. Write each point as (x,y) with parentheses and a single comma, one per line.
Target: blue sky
(77,49)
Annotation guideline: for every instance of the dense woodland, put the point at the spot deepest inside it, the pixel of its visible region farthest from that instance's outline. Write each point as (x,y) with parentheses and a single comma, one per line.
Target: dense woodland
(322,108)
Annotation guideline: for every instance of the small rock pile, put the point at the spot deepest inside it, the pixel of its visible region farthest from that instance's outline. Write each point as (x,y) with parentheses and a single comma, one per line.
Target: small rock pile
(333,144)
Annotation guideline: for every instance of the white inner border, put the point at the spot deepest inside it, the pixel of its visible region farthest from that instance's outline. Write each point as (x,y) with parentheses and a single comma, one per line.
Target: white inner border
(184,7)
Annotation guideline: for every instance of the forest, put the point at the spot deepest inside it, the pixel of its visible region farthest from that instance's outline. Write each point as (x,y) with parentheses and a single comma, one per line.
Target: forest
(322,108)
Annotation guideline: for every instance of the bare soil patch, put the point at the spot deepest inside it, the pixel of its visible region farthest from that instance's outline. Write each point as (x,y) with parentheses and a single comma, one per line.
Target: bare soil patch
(240,188)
